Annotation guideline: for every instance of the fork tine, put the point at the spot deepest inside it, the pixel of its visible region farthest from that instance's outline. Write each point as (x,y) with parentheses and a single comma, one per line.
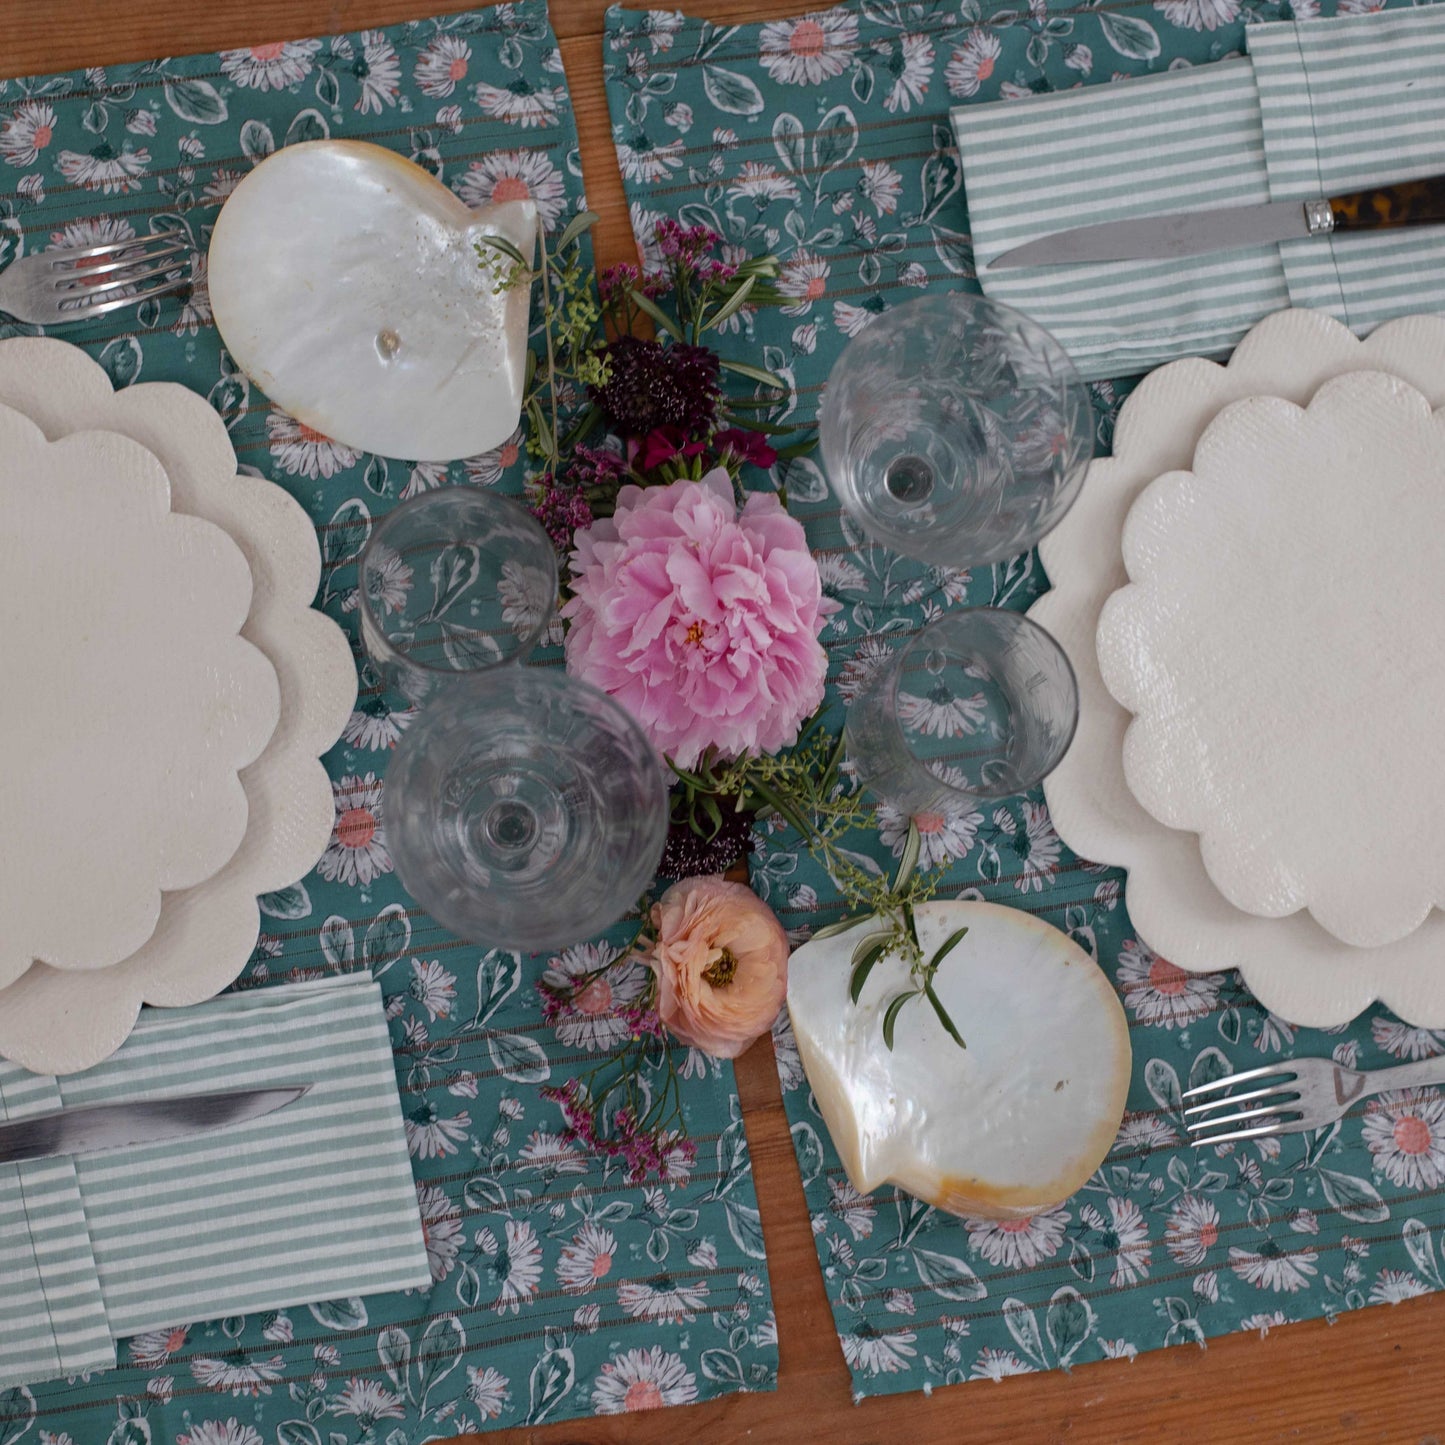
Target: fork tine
(85,310)
(150,253)
(109,248)
(1230,1080)
(1285,1089)
(75,293)
(1264,1111)
(1199,1140)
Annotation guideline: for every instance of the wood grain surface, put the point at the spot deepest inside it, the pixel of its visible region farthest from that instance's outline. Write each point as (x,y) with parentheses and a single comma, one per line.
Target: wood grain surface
(1376,1376)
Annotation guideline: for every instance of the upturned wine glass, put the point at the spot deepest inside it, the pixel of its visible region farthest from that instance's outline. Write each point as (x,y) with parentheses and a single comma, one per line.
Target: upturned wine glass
(525,809)
(980,705)
(452,583)
(955,431)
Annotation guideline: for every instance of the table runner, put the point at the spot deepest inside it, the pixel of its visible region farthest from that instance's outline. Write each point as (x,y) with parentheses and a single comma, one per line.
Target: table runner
(827,138)
(559,1290)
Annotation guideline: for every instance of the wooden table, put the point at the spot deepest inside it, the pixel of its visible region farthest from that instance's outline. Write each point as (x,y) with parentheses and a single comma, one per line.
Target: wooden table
(1374,1376)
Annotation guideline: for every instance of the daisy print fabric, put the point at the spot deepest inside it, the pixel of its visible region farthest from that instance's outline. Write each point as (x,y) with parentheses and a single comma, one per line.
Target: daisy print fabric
(557,1289)
(825,138)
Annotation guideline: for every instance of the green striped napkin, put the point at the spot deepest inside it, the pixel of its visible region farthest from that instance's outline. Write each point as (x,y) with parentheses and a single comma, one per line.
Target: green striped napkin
(52,1318)
(140,1238)
(1188,138)
(1317,107)
(1349,103)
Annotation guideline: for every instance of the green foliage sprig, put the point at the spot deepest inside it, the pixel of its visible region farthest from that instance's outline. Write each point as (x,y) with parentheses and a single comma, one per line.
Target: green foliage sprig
(570,361)
(804,787)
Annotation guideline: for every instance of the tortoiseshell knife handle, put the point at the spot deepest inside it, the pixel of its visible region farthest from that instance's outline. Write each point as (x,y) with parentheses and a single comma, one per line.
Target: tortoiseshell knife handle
(1381,208)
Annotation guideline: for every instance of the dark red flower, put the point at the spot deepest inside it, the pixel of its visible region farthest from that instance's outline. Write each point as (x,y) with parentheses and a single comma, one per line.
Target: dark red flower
(746,446)
(650,385)
(661,445)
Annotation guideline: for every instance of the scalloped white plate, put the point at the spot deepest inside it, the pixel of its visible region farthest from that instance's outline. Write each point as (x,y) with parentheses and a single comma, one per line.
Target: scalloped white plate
(137,701)
(1281,644)
(1292,965)
(55,1022)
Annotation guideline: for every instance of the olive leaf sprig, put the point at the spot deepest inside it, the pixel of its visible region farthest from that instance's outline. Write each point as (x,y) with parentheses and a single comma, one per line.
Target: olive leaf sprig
(898,932)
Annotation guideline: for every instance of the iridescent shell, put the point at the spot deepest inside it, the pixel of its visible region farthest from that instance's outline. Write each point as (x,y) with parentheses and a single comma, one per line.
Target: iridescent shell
(346,283)
(1013,1123)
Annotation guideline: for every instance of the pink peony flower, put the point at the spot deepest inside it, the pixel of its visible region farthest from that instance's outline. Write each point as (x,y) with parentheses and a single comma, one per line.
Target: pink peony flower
(721,960)
(699,619)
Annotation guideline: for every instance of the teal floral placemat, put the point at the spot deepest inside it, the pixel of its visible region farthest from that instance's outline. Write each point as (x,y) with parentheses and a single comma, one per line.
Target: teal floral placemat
(826,139)
(559,1288)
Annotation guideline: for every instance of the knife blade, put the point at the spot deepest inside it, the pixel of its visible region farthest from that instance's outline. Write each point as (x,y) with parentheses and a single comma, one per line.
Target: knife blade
(1194,233)
(92,1129)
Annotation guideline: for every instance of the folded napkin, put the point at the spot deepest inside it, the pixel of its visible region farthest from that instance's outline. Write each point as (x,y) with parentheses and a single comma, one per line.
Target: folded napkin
(109,1245)
(1349,103)
(1188,138)
(52,1317)
(1318,107)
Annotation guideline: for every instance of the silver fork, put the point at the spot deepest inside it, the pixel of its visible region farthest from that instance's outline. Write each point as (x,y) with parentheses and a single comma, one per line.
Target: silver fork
(1306,1094)
(75,283)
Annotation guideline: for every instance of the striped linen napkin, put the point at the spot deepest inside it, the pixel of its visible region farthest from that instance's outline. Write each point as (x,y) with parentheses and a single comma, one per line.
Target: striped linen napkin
(1185,139)
(139,1239)
(1349,103)
(1317,107)
(52,1317)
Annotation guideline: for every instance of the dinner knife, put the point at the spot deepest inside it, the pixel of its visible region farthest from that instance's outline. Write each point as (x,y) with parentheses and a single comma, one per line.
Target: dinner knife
(94,1128)
(1192,233)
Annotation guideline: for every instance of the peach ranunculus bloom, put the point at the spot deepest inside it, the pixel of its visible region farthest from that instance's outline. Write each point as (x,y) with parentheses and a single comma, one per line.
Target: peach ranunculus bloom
(721,960)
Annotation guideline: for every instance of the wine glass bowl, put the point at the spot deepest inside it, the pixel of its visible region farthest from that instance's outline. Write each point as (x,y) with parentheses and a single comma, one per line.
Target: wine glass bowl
(980,705)
(452,583)
(525,809)
(955,431)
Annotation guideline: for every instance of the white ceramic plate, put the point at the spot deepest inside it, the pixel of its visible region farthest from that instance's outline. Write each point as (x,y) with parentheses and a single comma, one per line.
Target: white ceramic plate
(57,1023)
(1292,965)
(136,700)
(1281,645)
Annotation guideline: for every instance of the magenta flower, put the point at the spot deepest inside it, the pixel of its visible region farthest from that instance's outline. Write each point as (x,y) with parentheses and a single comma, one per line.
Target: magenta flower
(699,619)
(660,445)
(561,509)
(746,446)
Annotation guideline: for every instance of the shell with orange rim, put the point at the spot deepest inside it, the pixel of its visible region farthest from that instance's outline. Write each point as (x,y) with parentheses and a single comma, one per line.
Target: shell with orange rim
(1013,1123)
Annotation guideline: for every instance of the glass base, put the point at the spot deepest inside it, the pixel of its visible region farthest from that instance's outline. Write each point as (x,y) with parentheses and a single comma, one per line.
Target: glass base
(525,811)
(509,819)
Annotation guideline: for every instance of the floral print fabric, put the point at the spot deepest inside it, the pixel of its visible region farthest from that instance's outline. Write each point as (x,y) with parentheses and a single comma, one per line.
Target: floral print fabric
(559,1290)
(825,138)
